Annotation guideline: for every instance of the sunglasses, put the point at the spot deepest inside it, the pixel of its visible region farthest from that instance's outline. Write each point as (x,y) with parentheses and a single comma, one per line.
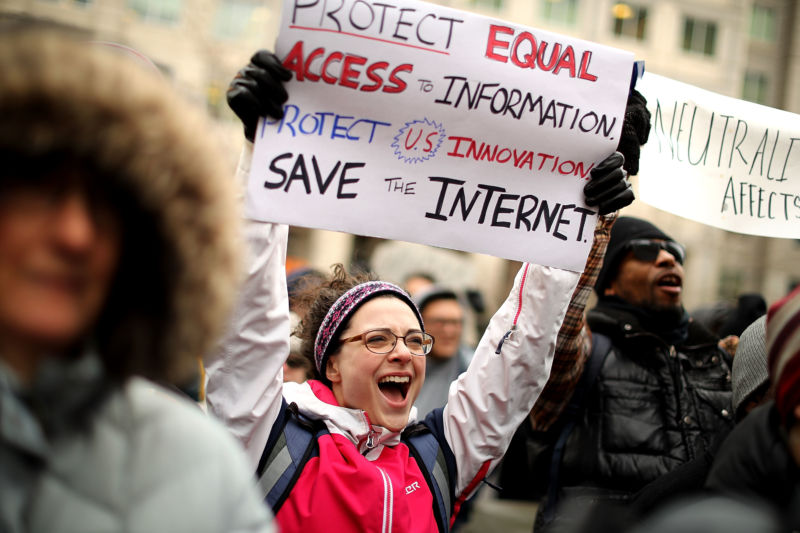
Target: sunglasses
(648,249)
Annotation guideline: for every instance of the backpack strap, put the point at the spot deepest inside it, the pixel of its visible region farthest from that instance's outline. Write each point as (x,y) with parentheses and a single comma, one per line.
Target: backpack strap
(292,442)
(601,347)
(438,471)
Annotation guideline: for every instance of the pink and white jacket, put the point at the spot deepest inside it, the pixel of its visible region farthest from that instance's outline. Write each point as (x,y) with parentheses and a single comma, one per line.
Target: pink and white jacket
(364,478)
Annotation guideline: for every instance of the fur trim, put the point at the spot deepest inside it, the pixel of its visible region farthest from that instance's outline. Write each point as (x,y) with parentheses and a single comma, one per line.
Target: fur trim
(120,122)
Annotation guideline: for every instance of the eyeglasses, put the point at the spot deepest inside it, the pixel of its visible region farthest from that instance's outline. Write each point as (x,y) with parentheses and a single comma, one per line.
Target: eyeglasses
(648,249)
(442,322)
(382,341)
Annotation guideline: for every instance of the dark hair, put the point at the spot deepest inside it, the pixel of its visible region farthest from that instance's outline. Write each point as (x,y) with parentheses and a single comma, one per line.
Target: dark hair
(420,274)
(434,294)
(302,280)
(318,300)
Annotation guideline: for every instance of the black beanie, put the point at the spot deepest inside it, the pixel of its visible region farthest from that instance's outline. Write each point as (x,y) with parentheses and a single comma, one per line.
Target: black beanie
(624,230)
(432,294)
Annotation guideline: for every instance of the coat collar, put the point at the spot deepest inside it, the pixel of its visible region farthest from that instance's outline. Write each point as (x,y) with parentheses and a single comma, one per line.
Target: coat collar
(62,398)
(624,326)
(317,402)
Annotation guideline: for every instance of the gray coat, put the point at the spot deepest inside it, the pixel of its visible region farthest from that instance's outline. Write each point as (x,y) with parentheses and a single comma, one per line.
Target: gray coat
(135,458)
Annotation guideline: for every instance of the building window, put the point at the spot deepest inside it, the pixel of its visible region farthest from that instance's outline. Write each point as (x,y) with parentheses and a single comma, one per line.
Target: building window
(755,87)
(564,12)
(629,20)
(699,36)
(164,11)
(730,284)
(495,4)
(762,23)
(232,18)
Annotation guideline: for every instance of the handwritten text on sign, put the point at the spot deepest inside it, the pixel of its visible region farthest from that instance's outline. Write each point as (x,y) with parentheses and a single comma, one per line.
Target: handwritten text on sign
(412,121)
(721,161)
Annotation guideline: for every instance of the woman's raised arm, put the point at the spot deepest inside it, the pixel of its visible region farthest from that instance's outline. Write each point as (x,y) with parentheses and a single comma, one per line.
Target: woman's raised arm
(245,375)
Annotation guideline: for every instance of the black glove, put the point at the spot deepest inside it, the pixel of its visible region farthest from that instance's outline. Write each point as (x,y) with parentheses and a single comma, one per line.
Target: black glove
(257,90)
(635,131)
(609,188)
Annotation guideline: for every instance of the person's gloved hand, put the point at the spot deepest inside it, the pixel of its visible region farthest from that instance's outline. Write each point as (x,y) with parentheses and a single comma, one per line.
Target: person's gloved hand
(257,90)
(609,188)
(635,131)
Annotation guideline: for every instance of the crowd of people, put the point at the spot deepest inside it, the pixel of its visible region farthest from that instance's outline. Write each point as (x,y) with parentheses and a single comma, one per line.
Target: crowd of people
(340,400)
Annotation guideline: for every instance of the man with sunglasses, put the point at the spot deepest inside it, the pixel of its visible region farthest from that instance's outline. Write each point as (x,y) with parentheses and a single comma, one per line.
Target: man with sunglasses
(654,396)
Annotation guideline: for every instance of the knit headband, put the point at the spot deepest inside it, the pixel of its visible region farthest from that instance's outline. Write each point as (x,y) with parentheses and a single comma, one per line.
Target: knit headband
(343,308)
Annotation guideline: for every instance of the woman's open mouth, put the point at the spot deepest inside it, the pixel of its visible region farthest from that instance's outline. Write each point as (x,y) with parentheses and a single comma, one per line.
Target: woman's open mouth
(395,388)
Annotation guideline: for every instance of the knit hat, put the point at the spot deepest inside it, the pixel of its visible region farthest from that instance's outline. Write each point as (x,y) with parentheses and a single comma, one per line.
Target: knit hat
(783,353)
(343,308)
(432,294)
(749,370)
(625,229)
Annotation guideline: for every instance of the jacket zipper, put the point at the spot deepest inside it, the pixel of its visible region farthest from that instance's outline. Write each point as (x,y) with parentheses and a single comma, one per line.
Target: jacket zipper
(519,310)
(371,433)
(388,502)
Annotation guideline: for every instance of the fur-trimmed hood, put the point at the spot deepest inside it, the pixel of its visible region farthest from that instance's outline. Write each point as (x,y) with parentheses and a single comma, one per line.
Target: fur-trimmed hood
(65,102)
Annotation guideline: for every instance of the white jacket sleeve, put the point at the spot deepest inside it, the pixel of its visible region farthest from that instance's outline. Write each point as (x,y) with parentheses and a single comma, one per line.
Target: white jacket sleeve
(487,403)
(245,374)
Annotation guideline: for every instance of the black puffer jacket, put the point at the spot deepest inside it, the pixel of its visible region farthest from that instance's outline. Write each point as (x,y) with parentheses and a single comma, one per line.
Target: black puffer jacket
(652,407)
(754,463)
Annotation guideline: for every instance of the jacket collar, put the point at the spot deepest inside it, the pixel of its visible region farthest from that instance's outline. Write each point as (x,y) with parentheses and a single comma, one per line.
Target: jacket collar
(623,325)
(671,327)
(62,398)
(316,401)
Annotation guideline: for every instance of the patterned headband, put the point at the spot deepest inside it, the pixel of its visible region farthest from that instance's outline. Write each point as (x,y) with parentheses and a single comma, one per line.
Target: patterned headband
(345,306)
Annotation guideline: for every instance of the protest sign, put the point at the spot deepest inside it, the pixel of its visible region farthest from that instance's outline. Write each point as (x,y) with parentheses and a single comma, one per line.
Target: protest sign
(724,162)
(413,121)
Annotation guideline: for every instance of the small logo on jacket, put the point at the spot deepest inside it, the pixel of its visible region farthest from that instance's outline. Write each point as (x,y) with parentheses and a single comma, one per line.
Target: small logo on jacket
(411,488)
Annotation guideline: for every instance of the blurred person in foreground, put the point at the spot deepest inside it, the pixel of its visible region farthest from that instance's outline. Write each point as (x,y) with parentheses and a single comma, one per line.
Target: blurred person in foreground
(119,241)
(760,459)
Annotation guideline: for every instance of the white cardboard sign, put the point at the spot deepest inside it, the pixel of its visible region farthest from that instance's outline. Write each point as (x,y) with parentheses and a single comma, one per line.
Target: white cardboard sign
(724,162)
(412,121)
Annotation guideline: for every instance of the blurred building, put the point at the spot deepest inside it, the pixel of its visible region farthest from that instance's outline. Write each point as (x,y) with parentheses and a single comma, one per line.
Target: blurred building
(198,44)
(747,49)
